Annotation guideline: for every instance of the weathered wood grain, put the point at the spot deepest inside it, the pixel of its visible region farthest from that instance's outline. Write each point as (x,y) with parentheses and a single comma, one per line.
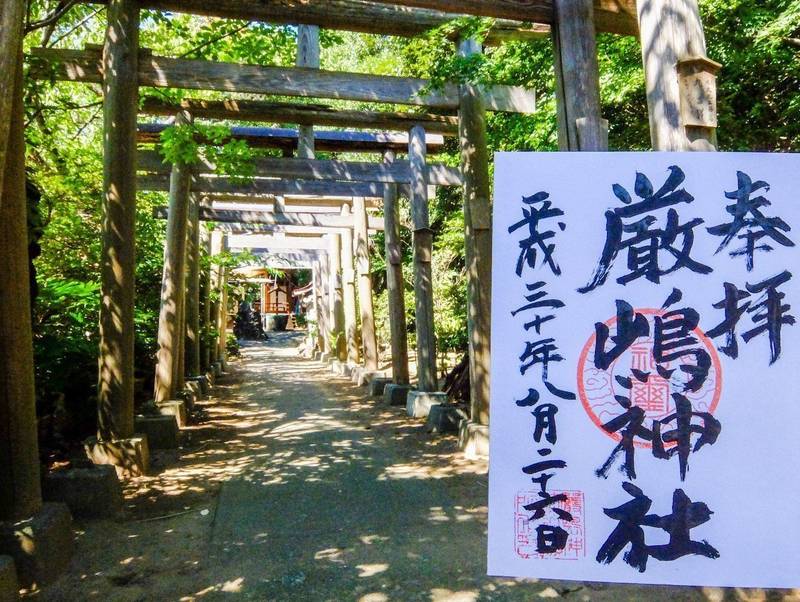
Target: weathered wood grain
(303,114)
(261,186)
(116,70)
(613,16)
(671,31)
(369,343)
(398,172)
(315,204)
(349,291)
(478,241)
(12,17)
(163,72)
(395,285)
(289,140)
(230,216)
(423,277)
(20,478)
(171,315)
(580,124)
(348,15)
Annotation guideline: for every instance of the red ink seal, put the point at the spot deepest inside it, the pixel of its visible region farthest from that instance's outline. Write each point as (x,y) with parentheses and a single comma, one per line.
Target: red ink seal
(525,529)
(598,388)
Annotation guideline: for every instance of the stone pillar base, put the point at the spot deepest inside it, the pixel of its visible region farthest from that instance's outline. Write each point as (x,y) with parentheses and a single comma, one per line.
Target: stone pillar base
(377,385)
(396,395)
(189,398)
(202,382)
(131,457)
(473,440)
(365,377)
(161,431)
(195,387)
(444,419)
(355,373)
(41,546)
(347,370)
(173,407)
(88,492)
(419,403)
(210,378)
(324,357)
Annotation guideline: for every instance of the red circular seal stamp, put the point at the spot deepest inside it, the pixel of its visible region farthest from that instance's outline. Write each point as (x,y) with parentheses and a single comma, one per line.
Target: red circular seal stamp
(598,389)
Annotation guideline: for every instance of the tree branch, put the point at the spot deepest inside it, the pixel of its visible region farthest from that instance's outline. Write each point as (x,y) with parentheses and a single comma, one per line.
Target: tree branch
(793,42)
(53,17)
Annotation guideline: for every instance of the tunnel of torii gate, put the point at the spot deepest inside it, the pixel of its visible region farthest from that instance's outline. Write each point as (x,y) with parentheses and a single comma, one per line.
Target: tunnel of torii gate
(332,198)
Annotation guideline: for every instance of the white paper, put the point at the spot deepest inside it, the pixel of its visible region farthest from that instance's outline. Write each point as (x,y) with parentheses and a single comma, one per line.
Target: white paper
(749,477)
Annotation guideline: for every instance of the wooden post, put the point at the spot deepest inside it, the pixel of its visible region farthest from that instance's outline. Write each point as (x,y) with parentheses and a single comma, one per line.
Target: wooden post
(672,36)
(337,298)
(118,263)
(222,316)
(173,284)
(262,295)
(20,491)
(349,283)
(478,239)
(580,124)
(12,19)
(307,56)
(361,238)
(423,251)
(324,303)
(215,291)
(395,284)
(192,343)
(205,292)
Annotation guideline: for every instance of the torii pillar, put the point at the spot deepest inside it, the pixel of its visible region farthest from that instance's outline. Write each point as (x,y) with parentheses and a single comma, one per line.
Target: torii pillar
(321,286)
(205,348)
(423,251)
(349,293)
(37,536)
(395,285)
(192,343)
(117,444)
(478,245)
(369,342)
(169,369)
(308,55)
(215,292)
(680,79)
(337,297)
(222,315)
(580,124)
(12,20)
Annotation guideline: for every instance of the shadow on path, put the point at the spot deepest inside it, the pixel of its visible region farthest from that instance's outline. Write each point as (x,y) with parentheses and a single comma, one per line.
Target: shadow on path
(298,487)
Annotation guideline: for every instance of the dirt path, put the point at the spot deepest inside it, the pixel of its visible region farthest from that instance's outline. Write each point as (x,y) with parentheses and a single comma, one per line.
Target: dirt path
(296,487)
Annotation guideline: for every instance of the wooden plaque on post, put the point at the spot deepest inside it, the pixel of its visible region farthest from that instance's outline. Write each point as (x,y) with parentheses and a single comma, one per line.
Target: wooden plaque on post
(697,77)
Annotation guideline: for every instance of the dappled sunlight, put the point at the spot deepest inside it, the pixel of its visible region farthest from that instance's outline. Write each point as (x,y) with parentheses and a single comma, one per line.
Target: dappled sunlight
(296,486)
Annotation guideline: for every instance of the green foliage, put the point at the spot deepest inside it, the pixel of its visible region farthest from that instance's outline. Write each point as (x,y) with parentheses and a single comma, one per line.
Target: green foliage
(232,346)
(187,143)
(759,109)
(65,349)
(179,144)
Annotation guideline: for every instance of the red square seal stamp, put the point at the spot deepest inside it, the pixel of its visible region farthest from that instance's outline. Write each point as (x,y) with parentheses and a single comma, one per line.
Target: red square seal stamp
(525,529)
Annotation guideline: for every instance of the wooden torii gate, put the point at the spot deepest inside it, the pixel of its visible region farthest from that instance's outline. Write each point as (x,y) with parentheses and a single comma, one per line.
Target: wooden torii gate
(681,118)
(335,177)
